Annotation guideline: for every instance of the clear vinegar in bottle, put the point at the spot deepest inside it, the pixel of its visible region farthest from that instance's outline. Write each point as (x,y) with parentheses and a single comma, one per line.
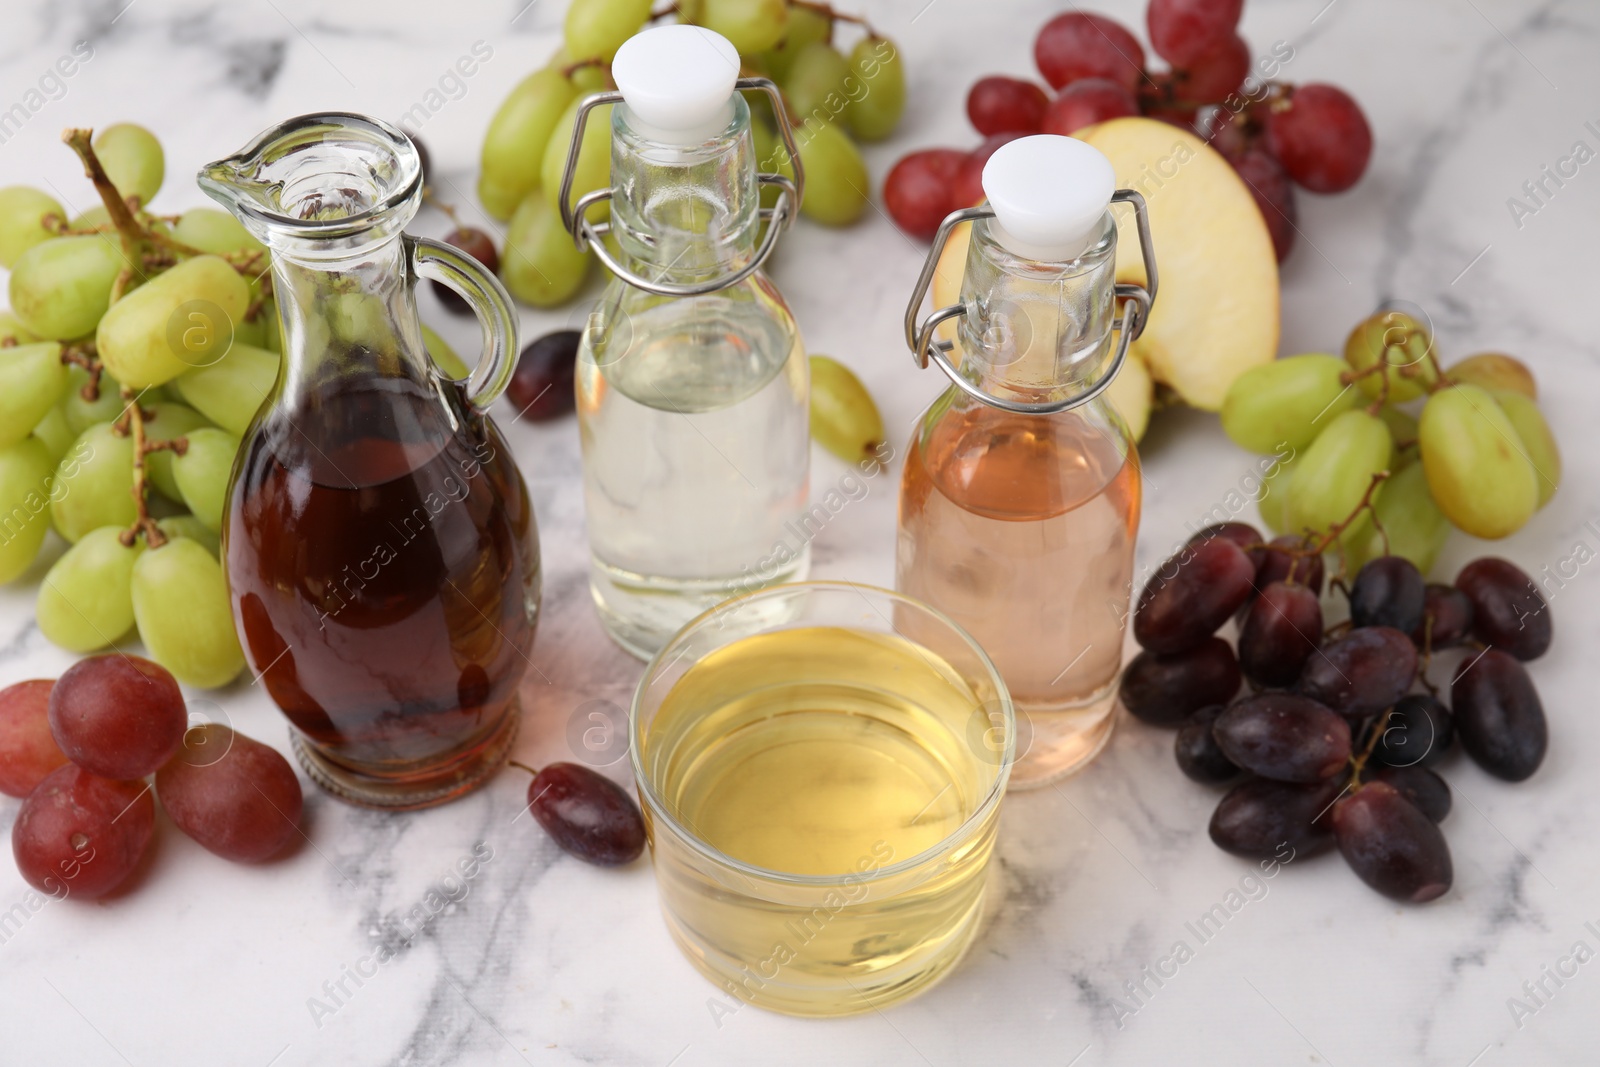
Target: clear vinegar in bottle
(692,382)
(1019,503)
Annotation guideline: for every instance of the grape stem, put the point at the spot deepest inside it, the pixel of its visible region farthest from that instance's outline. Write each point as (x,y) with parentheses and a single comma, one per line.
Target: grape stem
(132,422)
(1359,763)
(84,354)
(134,236)
(522,767)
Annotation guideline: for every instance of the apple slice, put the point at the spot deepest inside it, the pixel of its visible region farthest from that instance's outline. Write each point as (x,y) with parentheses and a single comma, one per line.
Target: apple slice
(1216,312)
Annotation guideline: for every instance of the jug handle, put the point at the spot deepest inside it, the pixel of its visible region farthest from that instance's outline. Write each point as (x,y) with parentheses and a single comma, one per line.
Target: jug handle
(449,266)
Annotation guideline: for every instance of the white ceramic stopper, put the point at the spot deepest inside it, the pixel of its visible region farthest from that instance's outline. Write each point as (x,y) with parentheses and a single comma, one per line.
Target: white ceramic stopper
(1048,195)
(677,80)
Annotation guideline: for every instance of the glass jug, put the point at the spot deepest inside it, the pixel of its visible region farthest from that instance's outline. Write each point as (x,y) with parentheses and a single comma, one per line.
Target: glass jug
(380,545)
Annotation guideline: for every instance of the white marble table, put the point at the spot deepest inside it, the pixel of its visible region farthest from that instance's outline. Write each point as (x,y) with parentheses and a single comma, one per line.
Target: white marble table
(540,959)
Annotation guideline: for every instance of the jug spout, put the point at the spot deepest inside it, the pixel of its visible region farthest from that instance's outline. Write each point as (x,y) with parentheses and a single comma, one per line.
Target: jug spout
(310,181)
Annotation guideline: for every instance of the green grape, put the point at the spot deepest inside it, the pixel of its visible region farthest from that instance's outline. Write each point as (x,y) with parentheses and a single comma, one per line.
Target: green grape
(22,213)
(1272,498)
(1415,526)
(836,176)
(61,287)
(96,218)
(518,136)
(540,264)
(12,332)
(450,364)
(1476,470)
(232,390)
(874,113)
(54,433)
(1403,428)
(86,599)
(1538,443)
(25,470)
(805,27)
(82,414)
(594,158)
(814,87)
(203,472)
(1495,371)
(180,603)
(163,421)
(93,484)
(1401,342)
(192,528)
(751,26)
(215,231)
(844,419)
(133,160)
(595,29)
(182,319)
(1333,473)
(1286,402)
(32,381)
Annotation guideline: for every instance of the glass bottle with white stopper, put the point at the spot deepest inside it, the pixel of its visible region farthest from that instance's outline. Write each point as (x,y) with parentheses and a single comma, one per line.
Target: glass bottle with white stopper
(693,386)
(1019,503)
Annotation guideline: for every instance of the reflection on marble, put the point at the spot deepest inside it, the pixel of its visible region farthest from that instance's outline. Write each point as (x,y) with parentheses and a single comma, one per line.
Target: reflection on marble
(371,945)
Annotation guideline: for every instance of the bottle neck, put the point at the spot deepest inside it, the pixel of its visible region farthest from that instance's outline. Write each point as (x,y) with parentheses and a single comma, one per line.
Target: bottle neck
(1036,331)
(684,213)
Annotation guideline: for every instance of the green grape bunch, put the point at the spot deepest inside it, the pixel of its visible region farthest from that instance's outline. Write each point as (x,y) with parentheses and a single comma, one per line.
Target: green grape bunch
(137,350)
(1389,449)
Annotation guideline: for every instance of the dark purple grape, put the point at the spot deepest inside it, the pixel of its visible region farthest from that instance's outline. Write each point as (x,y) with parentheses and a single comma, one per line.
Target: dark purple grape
(1498,716)
(1391,844)
(1388,591)
(1284,737)
(541,387)
(1166,690)
(1193,593)
(1418,733)
(1242,534)
(1362,673)
(478,245)
(1425,789)
(587,814)
(1451,613)
(1281,630)
(1256,818)
(1507,609)
(1280,563)
(1197,751)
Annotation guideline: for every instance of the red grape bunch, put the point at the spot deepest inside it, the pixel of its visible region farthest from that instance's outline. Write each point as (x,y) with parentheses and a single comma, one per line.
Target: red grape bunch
(1276,135)
(1338,736)
(77,750)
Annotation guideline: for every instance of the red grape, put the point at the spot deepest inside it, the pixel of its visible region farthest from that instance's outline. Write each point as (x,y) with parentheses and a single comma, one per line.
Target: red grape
(27,751)
(587,814)
(1499,717)
(1281,631)
(1197,751)
(1508,611)
(1286,561)
(1284,737)
(1451,614)
(478,245)
(1362,673)
(81,835)
(1427,792)
(1320,136)
(1086,102)
(1215,74)
(1388,591)
(1005,105)
(1078,45)
(1242,534)
(969,179)
(541,387)
(1164,690)
(1391,844)
(1183,30)
(1225,131)
(1192,595)
(1418,732)
(1274,196)
(117,716)
(232,794)
(1258,817)
(920,191)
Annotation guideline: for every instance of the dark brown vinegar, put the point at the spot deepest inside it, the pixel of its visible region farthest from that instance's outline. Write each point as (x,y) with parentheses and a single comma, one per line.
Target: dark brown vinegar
(383,565)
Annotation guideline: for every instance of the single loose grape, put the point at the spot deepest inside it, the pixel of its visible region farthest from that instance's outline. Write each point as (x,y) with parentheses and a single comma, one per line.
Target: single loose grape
(117,716)
(844,418)
(81,835)
(28,751)
(587,814)
(541,387)
(237,797)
